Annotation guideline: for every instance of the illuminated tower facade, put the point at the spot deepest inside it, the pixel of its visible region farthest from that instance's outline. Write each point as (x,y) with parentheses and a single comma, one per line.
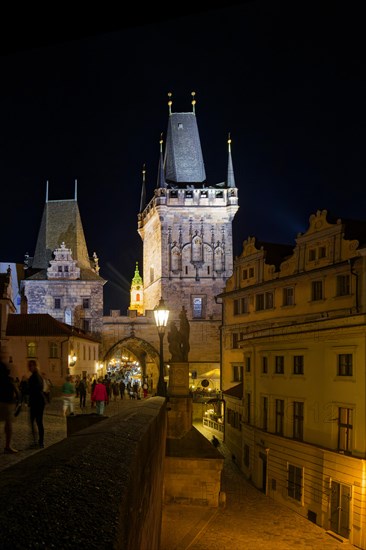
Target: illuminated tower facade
(137,292)
(186,227)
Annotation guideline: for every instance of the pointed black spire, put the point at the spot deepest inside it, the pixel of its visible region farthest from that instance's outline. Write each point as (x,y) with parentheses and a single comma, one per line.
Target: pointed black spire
(143,191)
(161,184)
(230,169)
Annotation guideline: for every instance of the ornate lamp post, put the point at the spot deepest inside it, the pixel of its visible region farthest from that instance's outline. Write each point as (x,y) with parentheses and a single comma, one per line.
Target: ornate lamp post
(161,314)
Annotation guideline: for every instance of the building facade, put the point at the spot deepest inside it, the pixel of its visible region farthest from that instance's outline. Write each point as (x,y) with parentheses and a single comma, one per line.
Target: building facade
(61,279)
(294,337)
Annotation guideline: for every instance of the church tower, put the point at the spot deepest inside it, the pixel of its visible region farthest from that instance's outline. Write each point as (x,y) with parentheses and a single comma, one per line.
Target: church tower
(186,228)
(137,293)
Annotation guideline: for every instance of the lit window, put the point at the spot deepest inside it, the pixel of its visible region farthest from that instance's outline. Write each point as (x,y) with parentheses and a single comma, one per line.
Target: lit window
(31,349)
(197,307)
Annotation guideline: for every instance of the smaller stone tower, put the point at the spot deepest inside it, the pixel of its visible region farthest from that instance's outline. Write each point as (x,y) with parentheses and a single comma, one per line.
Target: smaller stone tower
(137,293)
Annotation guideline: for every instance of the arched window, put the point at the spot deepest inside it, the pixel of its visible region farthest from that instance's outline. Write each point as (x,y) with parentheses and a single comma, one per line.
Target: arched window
(137,297)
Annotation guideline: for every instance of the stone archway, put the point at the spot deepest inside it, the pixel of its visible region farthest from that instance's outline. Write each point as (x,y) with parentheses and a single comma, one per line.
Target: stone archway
(145,353)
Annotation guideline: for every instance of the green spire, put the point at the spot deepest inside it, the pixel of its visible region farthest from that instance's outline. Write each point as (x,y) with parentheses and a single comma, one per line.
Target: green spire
(137,279)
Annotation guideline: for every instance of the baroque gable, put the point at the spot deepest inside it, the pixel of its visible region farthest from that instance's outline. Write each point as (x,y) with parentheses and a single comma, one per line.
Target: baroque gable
(63,266)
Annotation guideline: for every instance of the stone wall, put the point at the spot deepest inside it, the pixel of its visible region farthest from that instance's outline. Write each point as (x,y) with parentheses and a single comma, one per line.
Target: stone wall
(101,488)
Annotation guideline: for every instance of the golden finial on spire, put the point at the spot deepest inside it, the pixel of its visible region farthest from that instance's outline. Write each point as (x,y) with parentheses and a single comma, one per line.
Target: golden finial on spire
(229,142)
(170,102)
(193,101)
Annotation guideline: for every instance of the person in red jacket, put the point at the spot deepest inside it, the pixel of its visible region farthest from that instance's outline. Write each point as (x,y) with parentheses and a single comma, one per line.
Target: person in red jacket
(100,396)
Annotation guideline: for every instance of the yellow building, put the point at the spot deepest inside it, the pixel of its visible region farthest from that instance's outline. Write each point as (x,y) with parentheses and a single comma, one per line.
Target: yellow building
(294,339)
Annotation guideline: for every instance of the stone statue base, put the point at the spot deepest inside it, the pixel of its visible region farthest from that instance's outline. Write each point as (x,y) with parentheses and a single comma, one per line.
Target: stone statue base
(180,401)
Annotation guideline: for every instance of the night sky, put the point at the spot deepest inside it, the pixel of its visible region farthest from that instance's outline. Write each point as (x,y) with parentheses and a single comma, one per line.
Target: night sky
(89,102)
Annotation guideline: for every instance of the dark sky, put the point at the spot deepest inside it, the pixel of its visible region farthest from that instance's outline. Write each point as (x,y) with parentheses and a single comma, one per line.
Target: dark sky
(88,101)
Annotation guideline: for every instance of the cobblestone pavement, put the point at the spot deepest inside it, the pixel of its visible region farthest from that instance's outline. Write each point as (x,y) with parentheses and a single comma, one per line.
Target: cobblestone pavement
(54,428)
(249,520)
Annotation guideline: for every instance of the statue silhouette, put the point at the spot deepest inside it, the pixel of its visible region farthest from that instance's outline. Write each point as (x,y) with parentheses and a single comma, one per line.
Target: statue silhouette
(179,339)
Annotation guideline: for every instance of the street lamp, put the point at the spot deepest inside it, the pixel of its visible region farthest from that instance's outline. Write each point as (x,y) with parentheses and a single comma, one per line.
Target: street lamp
(161,314)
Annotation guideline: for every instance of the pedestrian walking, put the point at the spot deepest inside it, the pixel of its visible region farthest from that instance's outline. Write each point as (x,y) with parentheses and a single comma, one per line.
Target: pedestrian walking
(37,402)
(100,396)
(68,395)
(82,392)
(122,387)
(8,396)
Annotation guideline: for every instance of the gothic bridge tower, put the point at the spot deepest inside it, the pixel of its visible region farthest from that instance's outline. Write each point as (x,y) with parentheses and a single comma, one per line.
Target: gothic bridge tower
(186,227)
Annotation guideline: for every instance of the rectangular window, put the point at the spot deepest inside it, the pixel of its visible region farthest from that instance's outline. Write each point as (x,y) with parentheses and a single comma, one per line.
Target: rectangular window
(251,272)
(288,296)
(316,290)
(248,406)
(322,252)
(298,421)
(237,373)
(280,412)
(57,303)
(343,285)
(259,302)
(345,425)
(345,364)
(279,364)
(312,255)
(32,349)
(197,308)
(86,303)
(244,305)
(265,365)
(298,364)
(264,301)
(53,350)
(86,325)
(247,364)
(59,269)
(265,413)
(236,307)
(66,268)
(152,274)
(294,482)
(246,455)
(269,300)
(245,274)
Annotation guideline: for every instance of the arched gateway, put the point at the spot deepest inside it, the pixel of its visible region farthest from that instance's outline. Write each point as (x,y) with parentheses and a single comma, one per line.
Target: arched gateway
(136,356)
